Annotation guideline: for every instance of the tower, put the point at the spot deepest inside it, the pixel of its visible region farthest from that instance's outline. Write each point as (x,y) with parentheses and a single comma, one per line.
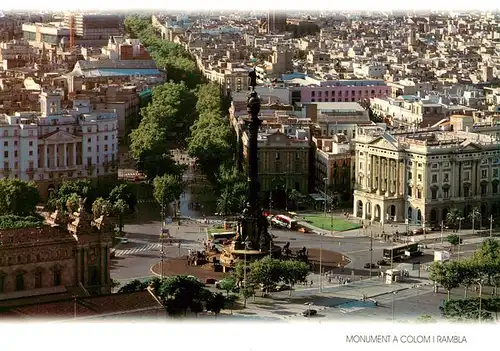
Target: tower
(276,22)
(50,104)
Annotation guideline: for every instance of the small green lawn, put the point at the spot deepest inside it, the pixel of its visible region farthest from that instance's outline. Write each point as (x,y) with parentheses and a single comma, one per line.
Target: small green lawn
(326,223)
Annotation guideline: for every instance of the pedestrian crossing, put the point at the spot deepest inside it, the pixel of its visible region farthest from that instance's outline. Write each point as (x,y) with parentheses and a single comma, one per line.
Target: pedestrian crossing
(142,248)
(155,247)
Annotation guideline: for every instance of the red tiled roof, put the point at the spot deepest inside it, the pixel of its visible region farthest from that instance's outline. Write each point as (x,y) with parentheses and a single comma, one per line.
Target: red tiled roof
(92,306)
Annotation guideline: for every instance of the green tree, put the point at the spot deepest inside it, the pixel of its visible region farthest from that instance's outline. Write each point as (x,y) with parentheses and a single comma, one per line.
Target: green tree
(267,271)
(488,258)
(216,303)
(209,99)
(134,286)
(120,207)
(446,274)
(470,273)
(294,272)
(102,207)
(166,189)
(210,144)
(18,197)
(125,193)
(453,218)
(465,310)
(181,293)
(73,203)
(228,285)
(83,188)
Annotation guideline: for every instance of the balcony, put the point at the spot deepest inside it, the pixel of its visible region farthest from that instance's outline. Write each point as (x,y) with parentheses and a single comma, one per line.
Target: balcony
(6,170)
(31,170)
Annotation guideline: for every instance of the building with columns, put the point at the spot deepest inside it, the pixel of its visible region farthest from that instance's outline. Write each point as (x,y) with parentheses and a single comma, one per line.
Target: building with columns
(54,145)
(67,256)
(421,175)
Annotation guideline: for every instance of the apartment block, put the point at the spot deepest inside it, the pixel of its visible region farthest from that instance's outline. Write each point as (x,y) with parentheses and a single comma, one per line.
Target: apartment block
(56,145)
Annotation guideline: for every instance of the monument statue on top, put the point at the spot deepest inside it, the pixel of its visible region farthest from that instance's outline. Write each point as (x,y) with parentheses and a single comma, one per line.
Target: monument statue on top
(252,240)
(253,224)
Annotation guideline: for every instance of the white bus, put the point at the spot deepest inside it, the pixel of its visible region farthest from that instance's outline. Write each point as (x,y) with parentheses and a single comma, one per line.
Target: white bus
(284,221)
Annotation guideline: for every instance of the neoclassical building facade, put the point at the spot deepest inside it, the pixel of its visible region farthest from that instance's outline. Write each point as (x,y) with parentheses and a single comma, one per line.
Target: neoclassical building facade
(421,175)
(68,255)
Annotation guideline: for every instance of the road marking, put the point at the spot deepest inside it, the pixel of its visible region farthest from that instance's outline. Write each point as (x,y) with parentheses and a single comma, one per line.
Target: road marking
(149,247)
(355,252)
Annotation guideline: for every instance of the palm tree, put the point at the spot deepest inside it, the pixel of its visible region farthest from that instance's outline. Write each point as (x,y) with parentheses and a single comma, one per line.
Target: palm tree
(225,203)
(474,216)
(295,196)
(452,218)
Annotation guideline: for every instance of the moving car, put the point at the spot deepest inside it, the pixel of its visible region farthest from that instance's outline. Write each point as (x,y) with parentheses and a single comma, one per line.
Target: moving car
(367,265)
(382,262)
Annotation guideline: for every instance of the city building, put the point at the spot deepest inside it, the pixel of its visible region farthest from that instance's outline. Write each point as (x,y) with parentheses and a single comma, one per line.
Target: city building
(90,30)
(56,145)
(421,175)
(284,161)
(65,257)
(119,48)
(92,74)
(306,89)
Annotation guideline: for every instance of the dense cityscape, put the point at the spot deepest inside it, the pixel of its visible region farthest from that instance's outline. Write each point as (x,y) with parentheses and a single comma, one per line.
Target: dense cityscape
(269,166)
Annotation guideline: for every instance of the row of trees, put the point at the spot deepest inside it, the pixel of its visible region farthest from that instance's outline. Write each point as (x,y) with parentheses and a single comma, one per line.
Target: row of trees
(267,273)
(186,113)
(101,199)
(454,218)
(482,269)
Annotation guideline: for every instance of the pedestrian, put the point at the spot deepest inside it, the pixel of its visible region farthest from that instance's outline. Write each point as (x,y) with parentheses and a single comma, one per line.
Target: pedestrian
(312,283)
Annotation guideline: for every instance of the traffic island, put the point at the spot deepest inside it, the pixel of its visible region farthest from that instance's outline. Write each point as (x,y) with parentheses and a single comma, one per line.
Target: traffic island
(178,266)
(330,260)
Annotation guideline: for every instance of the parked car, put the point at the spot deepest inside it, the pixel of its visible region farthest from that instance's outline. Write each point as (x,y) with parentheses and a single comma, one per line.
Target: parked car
(368,265)
(309,313)
(124,240)
(382,262)
(210,281)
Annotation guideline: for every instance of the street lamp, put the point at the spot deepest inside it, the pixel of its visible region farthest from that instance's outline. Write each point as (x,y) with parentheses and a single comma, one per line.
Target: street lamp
(326,185)
(320,261)
(247,243)
(491,226)
(480,297)
(393,304)
(458,234)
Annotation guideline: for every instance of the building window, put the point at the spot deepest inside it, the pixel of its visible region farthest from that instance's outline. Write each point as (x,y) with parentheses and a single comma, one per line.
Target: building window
(19,281)
(409,191)
(495,172)
(419,194)
(466,176)
(419,177)
(466,191)
(484,173)
(2,283)
(434,194)
(483,189)
(6,154)
(434,178)
(446,193)
(445,178)
(38,280)
(409,175)
(5,143)
(277,156)
(57,277)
